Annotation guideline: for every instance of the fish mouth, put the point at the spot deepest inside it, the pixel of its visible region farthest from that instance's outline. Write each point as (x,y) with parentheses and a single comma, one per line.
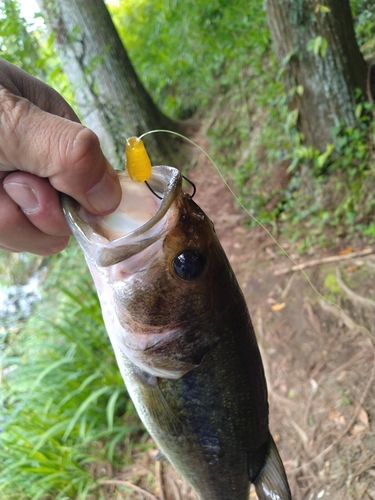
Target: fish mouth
(139,221)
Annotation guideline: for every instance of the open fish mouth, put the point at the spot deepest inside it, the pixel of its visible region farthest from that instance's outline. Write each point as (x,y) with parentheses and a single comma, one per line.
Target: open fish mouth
(126,258)
(182,336)
(140,220)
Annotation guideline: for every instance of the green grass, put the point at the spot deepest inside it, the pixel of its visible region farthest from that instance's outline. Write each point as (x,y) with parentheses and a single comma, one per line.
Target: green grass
(65,407)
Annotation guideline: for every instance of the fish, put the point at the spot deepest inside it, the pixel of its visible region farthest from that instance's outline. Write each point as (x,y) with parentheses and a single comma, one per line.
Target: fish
(182,336)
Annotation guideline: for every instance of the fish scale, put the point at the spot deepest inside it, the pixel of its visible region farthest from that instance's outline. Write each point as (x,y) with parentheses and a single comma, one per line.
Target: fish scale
(184,342)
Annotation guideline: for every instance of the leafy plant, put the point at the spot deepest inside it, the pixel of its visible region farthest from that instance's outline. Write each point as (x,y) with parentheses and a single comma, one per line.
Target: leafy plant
(17,44)
(64,404)
(363,14)
(30,48)
(318,45)
(182,50)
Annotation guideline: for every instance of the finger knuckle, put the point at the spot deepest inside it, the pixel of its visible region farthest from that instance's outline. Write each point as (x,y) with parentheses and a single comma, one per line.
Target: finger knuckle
(85,150)
(13,109)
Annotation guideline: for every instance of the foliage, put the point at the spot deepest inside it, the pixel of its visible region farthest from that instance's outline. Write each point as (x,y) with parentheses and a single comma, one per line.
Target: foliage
(182,50)
(312,196)
(331,191)
(30,48)
(17,45)
(363,13)
(16,268)
(64,405)
(52,67)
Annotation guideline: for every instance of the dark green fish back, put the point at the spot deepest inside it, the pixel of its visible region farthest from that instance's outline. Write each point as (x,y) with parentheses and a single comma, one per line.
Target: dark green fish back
(212,423)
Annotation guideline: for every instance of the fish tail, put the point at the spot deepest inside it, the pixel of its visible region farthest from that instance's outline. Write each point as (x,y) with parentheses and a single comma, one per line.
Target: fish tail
(272,483)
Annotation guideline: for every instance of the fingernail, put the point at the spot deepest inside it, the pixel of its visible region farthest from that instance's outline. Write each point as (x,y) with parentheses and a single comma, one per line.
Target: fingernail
(104,196)
(23,195)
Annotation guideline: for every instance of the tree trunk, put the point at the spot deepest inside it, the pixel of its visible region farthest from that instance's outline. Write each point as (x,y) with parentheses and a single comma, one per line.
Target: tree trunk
(316,45)
(112,100)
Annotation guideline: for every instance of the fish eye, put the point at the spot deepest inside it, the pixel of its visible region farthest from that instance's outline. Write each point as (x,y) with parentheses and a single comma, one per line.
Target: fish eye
(189,264)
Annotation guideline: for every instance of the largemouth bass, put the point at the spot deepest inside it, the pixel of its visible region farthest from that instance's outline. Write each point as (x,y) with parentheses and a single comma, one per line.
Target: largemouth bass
(183,337)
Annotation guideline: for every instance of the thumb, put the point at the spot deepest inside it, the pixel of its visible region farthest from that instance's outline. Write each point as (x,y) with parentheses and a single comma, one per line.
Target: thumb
(53,147)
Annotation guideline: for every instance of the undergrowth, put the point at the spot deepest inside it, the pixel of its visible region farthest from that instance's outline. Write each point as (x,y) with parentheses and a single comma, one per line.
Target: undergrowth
(186,52)
(332,193)
(63,403)
(189,63)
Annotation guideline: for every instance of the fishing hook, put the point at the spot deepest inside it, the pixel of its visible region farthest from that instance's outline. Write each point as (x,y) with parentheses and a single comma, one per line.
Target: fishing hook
(152,191)
(191,184)
(186,179)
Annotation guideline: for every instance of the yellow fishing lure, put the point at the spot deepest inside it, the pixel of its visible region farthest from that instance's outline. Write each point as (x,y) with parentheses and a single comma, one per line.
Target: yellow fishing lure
(139,168)
(138,162)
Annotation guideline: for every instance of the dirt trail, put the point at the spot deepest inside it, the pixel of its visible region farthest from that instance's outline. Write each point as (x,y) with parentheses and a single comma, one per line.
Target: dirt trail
(319,359)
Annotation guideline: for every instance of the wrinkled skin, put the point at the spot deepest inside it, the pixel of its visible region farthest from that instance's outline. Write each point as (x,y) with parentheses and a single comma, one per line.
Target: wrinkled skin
(187,350)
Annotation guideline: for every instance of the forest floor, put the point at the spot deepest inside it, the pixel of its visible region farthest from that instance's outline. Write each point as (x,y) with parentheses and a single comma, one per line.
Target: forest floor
(319,359)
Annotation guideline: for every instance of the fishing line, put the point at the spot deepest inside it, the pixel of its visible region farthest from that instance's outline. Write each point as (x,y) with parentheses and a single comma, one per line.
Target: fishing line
(249,214)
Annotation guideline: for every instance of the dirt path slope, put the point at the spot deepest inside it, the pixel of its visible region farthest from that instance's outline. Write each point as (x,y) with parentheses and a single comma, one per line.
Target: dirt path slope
(319,359)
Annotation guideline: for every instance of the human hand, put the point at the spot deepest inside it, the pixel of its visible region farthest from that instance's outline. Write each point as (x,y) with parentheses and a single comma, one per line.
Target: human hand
(43,150)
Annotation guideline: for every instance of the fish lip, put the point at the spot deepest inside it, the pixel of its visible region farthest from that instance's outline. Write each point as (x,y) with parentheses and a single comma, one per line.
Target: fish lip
(166,180)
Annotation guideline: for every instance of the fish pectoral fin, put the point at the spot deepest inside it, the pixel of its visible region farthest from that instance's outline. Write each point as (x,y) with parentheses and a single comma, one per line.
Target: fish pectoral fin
(160,457)
(158,407)
(271,483)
